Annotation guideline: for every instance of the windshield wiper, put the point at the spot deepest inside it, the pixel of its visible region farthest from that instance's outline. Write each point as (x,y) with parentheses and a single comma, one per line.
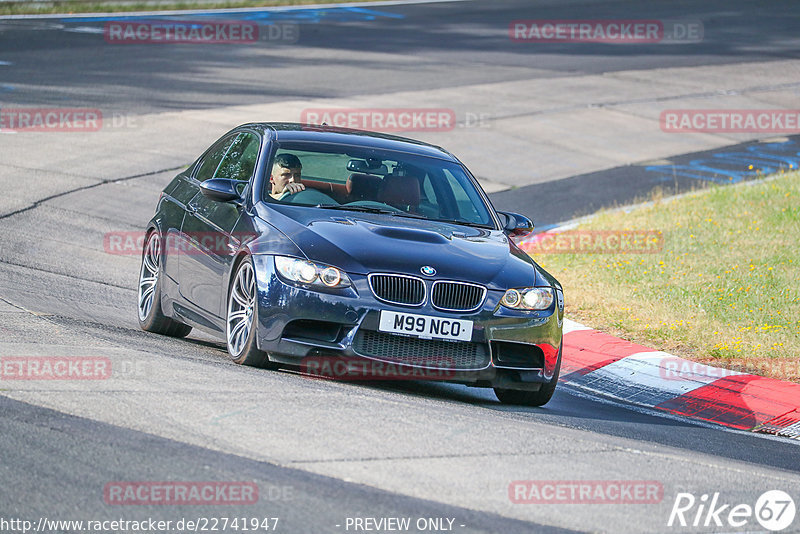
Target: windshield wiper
(465,223)
(364,209)
(367,209)
(409,215)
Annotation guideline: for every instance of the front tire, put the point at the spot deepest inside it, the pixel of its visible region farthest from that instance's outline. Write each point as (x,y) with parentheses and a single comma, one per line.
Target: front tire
(531,398)
(242,314)
(151,317)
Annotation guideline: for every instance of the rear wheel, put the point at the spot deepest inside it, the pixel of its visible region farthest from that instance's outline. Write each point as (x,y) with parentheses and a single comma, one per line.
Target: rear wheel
(240,330)
(531,398)
(151,318)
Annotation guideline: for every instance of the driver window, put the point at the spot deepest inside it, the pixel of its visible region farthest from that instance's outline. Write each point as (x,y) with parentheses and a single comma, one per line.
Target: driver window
(210,162)
(240,160)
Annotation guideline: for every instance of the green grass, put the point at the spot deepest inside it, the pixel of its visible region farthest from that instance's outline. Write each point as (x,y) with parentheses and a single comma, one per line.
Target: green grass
(724,290)
(83,6)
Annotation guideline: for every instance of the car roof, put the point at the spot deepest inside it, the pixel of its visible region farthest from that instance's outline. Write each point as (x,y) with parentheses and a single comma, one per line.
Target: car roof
(293,131)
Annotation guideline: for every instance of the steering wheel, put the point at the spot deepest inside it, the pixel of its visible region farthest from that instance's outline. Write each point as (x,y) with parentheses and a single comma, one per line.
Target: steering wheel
(309,196)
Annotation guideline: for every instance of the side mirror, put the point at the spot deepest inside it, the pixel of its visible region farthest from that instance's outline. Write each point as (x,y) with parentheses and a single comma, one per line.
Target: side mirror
(220,189)
(516,225)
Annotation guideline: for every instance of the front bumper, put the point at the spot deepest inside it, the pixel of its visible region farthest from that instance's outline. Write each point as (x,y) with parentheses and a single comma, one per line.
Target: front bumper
(510,349)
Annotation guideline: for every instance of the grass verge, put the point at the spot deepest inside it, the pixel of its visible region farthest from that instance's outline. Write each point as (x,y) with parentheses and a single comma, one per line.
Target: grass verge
(723,290)
(88,6)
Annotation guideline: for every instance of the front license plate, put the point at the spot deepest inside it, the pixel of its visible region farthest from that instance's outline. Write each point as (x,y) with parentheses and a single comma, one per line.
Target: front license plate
(425,326)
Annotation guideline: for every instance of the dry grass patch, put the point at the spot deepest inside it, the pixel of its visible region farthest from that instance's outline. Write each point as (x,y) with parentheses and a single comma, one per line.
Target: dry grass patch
(724,290)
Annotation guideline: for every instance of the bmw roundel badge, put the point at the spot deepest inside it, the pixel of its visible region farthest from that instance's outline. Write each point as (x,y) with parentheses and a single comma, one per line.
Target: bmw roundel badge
(427,270)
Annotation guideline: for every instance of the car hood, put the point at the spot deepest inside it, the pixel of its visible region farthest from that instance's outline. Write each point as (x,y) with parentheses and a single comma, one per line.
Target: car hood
(363,243)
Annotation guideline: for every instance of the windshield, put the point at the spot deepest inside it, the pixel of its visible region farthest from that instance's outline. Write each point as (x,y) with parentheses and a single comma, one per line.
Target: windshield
(381,181)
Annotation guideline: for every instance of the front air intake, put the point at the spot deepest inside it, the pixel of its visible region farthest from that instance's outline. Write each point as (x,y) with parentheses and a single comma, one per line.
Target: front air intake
(398,289)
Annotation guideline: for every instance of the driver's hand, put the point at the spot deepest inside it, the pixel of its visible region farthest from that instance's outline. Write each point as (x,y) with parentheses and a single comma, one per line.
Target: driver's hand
(292,188)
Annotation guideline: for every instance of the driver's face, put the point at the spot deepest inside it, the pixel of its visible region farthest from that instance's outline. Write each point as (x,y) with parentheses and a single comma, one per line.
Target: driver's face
(281,176)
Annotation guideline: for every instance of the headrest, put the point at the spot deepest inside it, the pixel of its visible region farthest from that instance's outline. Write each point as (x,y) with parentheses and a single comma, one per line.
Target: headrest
(362,186)
(400,191)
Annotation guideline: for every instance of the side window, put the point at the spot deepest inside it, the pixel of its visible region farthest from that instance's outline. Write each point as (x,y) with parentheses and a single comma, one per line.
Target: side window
(240,161)
(209,164)
(428,195)
(428,204)
(467,201)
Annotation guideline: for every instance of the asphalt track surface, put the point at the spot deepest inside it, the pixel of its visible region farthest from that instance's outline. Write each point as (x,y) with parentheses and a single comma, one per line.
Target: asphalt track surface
(321,452)
(450,44)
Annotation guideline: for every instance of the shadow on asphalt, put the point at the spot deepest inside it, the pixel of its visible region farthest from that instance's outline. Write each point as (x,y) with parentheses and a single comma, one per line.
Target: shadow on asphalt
(559,201)
(573,410)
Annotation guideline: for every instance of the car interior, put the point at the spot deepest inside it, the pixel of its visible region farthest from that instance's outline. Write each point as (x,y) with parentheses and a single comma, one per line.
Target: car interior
(384,184)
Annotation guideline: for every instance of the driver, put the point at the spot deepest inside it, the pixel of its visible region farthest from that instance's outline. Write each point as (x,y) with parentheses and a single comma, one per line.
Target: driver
(285,176)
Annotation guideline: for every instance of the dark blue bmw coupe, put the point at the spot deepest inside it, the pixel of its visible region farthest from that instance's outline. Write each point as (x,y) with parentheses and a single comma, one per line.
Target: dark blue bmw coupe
(294,241)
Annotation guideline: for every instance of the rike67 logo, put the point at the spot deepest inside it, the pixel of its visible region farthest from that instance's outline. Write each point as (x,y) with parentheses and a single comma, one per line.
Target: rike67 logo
(774,510)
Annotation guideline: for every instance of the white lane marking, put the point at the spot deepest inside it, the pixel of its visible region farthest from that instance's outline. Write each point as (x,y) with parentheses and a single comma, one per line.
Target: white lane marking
(85,29)
(650,378)
(228,10)
(6,63)
(666,371)
(572,326)
(592,395)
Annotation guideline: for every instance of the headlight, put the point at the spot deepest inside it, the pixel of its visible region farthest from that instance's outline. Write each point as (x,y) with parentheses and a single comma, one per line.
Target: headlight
(310,273)
(528,298)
